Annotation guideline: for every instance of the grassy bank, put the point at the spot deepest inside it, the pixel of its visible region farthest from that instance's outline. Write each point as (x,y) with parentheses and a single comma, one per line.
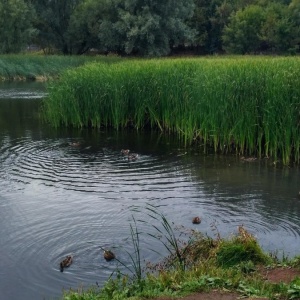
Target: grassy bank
(246,105)
(202,264)
(40,67)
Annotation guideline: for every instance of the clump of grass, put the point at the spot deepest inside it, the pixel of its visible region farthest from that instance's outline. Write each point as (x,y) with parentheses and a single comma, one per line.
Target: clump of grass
(248,106)
(243,249)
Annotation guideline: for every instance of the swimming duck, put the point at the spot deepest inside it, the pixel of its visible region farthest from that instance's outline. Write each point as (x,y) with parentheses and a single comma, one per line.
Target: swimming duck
(249,159)
(66,262)
(133,156)
(196,220)
(108,255)
(125,151)
(75,144)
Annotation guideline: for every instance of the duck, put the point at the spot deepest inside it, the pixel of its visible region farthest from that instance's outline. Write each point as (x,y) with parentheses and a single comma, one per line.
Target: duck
(196,220)
(108,255)
(125,151)
(249,159)
(133,156)
(66,262)
(75,144)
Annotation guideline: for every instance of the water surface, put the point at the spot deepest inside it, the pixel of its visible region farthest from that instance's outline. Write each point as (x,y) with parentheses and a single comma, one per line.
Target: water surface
(58,199)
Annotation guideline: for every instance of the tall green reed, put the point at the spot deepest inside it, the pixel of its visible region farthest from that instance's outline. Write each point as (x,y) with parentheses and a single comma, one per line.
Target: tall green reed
(247,105)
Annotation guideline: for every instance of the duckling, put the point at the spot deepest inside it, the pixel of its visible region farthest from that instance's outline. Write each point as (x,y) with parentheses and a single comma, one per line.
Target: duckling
(66,262)
(196,220)
(125,151)
(133,156)
(108,255)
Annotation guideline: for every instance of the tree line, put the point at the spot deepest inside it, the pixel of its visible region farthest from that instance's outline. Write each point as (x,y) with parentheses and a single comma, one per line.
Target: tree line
(151,27)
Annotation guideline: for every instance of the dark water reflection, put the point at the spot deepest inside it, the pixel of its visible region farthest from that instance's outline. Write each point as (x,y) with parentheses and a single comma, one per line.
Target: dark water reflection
(58,199)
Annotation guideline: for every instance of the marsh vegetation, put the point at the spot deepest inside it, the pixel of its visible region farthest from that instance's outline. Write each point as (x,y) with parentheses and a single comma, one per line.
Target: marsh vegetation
(244,105)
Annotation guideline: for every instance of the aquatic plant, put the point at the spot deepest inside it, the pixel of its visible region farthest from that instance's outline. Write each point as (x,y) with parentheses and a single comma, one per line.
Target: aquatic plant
(243,105)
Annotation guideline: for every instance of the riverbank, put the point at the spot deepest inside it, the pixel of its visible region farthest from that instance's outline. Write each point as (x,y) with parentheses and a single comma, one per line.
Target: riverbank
(219,269)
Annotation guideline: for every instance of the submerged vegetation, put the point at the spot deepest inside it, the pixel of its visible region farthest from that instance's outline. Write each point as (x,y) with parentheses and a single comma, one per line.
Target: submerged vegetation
(236,264)
(243,105)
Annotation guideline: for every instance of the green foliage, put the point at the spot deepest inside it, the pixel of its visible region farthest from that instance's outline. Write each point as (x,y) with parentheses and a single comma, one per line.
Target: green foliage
(277,28)
(84,26)
(151,27)
(16,27)
(294,10)
(294,289)
(247,266)
(55,27)
(148,28)
(242,34)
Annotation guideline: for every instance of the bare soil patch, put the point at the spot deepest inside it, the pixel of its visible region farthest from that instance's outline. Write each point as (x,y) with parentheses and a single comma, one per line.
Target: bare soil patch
(278,275)
(275,275)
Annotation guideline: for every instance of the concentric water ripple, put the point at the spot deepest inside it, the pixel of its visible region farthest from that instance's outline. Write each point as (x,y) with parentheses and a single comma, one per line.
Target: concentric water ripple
(74,193)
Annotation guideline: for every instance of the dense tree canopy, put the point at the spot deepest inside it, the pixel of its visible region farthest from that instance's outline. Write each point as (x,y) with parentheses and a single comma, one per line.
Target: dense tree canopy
(148,27)
(15,25)
(242,34)
(151,27)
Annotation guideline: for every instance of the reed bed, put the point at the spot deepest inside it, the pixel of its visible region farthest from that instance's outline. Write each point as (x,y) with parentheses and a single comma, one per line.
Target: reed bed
(41,67)
(249,105)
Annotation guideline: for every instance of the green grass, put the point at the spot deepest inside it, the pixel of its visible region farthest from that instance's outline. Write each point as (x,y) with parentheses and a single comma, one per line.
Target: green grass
(246,105)
(41,67)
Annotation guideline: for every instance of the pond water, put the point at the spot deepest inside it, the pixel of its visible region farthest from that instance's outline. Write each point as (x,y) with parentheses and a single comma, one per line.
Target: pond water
(58,199)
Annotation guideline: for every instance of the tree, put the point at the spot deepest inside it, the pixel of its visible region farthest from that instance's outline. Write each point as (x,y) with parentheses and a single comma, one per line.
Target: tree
(276,32)
(16,27)
(83,32)
(294,10)
(242,34)
(207,38)
(53,23)
(147,27)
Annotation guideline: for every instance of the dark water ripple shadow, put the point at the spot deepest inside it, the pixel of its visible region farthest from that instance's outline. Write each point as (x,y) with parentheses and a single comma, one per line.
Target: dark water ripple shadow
(60,199)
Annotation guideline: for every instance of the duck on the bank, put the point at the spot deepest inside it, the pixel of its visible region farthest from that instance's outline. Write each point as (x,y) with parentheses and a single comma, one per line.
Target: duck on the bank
(66,262)
(125,151)
(108,255)
(196,220)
